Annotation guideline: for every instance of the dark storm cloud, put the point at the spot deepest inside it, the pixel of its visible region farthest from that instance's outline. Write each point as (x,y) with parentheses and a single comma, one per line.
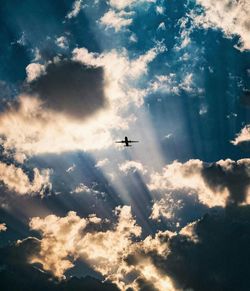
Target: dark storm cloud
(17,274)
(219,261)
(235,177)
(70,88)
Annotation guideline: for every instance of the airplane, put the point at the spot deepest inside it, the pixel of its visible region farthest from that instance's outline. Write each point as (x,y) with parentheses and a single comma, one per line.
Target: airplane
(127,142)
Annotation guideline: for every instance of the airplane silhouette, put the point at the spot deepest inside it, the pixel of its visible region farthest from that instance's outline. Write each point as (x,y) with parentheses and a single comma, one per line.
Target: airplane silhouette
(127,142)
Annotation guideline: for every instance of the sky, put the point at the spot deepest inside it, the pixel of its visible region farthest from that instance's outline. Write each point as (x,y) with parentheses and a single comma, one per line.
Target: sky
(79,211)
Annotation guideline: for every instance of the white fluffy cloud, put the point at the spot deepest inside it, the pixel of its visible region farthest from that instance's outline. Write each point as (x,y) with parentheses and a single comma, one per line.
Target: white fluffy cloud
(3,227)
(65,239)
(170,84)
(212,188)
(121,4)
(231,16)
(243,136)
(15,179)
(132,166)
(117,20)
(34,70)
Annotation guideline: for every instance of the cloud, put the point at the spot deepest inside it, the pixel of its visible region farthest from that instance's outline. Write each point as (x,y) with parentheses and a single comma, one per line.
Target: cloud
(116,20)
(15,179)
(221,241)
(82,188)
(3,227)
(71,168)
(75,9)
(168,261)
(112,252)
(160,9)
(161,26)
(101,250)
(170,84)
(232,17)
(165,207)
(17,273)
(215,184)
(120,4)
(243,136)
(62,42)
(120,14)
(34,71)
(132,166)
(71,88)
(102,163)
(45,123)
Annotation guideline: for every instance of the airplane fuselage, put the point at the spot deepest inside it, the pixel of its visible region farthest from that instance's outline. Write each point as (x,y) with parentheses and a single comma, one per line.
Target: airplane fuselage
(126,142)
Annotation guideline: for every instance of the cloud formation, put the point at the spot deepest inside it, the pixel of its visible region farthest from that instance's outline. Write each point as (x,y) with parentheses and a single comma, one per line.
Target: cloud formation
(215,184)
(243,136)
(15,179)
(232,17)
(117,20)
(165,261)
(107,252)
(132,166)
(43,122)
(17,273)
(120,4)
(34,70)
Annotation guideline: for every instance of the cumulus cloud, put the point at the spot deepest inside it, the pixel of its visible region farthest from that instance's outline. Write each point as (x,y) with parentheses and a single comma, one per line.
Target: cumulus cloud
(221,241)
(132,166)
(101,249)
(112,252)
(34,70)
(117,20)
(243,136)
(231,16)
(59,115)
(3,227)
(215,184)
(164,261)
(18,272)
(15,179)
